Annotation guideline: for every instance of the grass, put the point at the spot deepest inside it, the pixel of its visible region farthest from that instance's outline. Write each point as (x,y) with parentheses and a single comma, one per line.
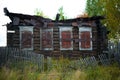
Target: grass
(111,72)
(59,72)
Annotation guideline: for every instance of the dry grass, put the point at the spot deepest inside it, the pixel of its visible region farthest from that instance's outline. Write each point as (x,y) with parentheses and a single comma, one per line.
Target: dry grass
(61,73)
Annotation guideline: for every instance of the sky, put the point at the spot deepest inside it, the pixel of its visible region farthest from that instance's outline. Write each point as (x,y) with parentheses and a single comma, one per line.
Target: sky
(71,8)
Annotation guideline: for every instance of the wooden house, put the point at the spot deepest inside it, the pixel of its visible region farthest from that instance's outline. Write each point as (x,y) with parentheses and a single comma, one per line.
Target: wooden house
(84,36)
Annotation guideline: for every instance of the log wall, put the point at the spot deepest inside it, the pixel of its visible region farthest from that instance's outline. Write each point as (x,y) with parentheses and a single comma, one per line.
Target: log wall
(14,41)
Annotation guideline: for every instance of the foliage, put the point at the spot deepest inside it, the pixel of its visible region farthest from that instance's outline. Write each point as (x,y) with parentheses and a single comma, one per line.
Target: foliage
(93,8)
(111,10)
(62,14)
(39,12)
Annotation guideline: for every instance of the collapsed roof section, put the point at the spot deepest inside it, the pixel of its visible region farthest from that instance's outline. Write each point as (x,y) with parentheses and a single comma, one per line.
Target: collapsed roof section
(24,19)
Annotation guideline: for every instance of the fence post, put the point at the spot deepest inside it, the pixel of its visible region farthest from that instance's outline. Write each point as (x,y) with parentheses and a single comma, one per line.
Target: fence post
(49,63)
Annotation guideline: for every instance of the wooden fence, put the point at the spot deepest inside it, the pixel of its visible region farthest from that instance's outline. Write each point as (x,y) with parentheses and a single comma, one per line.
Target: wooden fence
(105,59)
(82,63)
(13,55)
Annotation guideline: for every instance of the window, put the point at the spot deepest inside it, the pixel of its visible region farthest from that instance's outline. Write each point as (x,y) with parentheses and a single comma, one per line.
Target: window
(26,37)
(85,35)
(46,38)
(66,42)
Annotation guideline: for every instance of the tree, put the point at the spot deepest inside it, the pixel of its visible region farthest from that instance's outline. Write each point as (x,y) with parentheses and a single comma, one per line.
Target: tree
(111,10)
(39,12)
(62,15)
(94,7)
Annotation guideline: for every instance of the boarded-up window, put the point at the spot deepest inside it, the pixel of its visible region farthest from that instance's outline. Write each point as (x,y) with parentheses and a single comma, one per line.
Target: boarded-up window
(26,40)
(26,37)
(66,39)
(47,39)
(66,42)
(85,36)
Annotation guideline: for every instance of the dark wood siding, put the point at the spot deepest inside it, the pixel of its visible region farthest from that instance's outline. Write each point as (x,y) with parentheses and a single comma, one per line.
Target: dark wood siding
(14,41)
(56,40)
(94,39)
(98,42)
(76,38)
(36,39)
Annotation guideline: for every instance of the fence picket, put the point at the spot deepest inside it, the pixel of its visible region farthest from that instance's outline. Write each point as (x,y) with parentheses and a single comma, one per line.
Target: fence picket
(103,59)
(94,61)
(14,55)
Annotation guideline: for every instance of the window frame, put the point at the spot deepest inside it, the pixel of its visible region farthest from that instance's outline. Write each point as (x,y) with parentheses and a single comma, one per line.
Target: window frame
(65,28)
(26,28)
(41,31)
(83,29)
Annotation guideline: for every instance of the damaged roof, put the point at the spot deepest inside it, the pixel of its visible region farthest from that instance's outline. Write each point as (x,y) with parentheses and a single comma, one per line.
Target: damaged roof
(42,19)
(23,16)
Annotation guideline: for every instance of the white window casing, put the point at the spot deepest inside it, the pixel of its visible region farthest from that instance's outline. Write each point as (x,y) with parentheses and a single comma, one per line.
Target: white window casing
(42,45)
(23,29)
(85,29)
(62,29)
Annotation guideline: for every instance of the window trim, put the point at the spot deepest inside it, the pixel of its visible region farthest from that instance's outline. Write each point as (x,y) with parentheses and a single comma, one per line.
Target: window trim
(26,28)
(47,29)
(82,29)
(65,28)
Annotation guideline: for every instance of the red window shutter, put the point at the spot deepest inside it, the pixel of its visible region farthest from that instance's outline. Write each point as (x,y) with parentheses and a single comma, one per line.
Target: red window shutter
(82,39)
(66,36)
(44,42)
(85,39)
(26,39)
(47,39)
(88,45)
